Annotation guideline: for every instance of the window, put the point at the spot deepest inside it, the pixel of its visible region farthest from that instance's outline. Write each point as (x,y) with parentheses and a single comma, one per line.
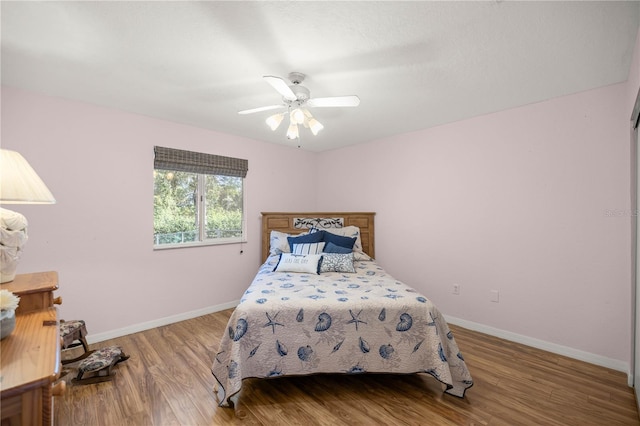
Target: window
(198,198)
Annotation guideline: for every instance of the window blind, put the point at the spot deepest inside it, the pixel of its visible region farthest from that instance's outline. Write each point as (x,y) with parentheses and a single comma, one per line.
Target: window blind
(197,162)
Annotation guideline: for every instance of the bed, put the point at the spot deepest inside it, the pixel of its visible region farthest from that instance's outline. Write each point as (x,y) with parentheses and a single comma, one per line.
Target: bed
(317,307)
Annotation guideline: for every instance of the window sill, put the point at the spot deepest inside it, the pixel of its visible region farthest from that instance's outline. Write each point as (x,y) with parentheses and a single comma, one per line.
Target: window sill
(200,244)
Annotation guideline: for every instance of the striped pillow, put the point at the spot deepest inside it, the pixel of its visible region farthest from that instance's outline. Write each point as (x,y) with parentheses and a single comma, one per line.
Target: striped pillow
(308,248)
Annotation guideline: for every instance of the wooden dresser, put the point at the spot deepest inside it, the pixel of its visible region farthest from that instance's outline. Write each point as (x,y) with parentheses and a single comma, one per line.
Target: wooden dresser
(35,290)
(30,361)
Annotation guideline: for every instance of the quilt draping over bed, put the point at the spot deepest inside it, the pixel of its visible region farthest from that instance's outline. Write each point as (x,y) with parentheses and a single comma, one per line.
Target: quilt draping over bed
(368,322)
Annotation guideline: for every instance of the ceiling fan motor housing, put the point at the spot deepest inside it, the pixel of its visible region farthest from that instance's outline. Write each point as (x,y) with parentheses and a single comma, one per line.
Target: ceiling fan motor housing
(301,92)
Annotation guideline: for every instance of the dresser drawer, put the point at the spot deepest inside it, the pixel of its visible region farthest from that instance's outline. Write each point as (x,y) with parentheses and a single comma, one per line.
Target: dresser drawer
(30,364)
(35,290)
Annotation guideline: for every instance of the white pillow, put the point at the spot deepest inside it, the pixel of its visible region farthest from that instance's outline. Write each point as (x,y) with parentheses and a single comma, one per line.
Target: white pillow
(351,231)
(308,248)
(305,263)
(278,243)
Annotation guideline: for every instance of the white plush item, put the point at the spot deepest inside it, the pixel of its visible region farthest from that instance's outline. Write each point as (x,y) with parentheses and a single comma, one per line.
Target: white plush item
(10,238)
(13,236)
(11,220)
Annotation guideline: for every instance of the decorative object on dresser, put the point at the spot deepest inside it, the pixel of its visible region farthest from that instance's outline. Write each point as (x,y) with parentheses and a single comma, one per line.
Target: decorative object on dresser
(19,184)
(8,305)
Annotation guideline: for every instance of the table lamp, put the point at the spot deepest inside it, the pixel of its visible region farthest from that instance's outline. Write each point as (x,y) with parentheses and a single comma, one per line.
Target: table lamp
(19,184)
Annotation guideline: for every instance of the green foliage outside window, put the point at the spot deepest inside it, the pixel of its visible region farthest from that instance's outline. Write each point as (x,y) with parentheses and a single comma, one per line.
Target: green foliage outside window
(177,210)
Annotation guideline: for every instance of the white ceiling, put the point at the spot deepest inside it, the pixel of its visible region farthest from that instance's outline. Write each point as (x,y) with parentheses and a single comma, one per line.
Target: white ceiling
(413,64)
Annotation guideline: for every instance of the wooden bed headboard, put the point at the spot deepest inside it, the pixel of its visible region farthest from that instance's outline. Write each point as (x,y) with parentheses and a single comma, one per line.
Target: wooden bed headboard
(298,222)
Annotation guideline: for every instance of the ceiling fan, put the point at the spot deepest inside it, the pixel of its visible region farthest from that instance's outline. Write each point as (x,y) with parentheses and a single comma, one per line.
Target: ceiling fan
(296,99)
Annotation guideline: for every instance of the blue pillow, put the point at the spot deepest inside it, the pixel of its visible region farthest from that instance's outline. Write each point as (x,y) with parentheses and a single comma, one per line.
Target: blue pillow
(332,248)
(339,240)
(316,237)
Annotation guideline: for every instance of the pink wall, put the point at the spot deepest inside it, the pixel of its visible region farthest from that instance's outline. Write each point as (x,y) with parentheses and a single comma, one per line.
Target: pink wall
(98,163)
(515,201)
(533,202)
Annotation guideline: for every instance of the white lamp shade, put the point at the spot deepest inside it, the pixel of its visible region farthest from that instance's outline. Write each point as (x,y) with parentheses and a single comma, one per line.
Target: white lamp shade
(19,183)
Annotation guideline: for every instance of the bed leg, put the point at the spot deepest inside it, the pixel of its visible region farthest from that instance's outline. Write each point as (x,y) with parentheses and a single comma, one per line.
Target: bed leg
(238,409)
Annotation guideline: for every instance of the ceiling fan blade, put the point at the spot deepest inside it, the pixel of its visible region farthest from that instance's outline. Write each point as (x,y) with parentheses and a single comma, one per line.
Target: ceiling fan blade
(260,109)
(281,86)
(336,101)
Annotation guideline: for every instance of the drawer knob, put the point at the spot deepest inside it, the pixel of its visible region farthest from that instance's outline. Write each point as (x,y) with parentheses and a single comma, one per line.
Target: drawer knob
(57,300)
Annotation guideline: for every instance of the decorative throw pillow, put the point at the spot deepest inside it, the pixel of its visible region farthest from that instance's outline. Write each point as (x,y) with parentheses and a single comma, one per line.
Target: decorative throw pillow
(337,262)
(304,263)
(339,240)
(308,248)
(352,231)
(332,248)
(316,237)
(278,243)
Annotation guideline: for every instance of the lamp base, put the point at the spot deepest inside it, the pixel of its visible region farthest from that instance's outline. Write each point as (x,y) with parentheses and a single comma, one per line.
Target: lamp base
(13,236)
(6,276)
(9,257)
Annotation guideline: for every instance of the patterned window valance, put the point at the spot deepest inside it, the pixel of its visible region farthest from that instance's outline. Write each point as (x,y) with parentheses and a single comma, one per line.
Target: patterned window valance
(197,162)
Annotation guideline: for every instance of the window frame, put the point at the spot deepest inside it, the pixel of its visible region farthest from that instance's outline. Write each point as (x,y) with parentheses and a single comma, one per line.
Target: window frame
(201,191)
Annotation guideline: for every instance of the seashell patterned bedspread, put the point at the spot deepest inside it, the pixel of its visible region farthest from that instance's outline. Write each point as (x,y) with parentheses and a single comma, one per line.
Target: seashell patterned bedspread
(367,322)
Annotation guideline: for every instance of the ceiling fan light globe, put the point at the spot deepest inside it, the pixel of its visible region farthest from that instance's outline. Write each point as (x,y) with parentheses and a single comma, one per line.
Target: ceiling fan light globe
(315,126)
(292,132)
(297,116)
(274,121)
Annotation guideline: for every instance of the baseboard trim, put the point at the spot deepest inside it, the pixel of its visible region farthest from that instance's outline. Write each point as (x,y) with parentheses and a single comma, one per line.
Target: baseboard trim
(591,358)
(602,361)
(112,334)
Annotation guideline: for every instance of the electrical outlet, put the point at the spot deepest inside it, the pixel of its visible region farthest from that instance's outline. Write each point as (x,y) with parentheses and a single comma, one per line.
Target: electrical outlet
(495,296)
(456,289)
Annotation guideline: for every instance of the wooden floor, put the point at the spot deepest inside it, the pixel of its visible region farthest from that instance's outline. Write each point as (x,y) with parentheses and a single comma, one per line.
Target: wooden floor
(167,381)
